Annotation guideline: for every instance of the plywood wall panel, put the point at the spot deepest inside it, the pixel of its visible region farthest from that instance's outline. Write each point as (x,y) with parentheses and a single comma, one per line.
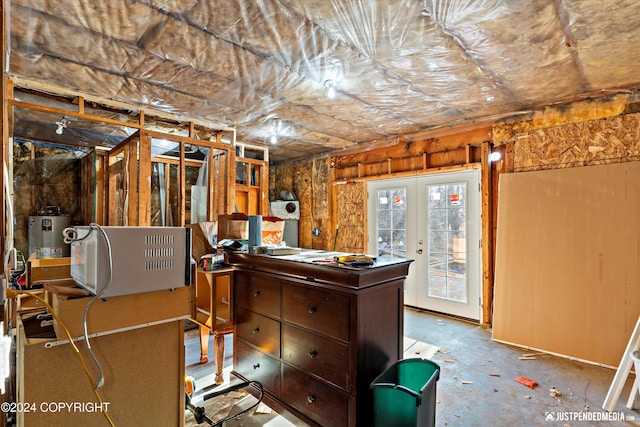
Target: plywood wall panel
(568,260)
(351,208)
(609,140)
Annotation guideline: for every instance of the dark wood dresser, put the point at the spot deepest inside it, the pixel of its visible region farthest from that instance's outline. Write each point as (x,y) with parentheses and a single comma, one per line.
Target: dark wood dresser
(317,334)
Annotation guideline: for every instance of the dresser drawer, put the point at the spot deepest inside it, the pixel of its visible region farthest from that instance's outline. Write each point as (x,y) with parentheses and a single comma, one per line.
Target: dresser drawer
(316,355)
(321,402)
(324,312)
(258,330)
(256,366)
(257,292)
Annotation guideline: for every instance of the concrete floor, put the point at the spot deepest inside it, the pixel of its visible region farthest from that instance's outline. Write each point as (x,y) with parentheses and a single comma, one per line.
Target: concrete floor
(476,386)
(493,398)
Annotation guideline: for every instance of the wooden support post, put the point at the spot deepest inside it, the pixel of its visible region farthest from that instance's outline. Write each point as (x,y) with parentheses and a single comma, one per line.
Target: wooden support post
(144,180)
(81,104)
(264,184)
(229,196)
(212,171)
(181,192)
(131,182)
(167,196)
(487,236)
(623,372)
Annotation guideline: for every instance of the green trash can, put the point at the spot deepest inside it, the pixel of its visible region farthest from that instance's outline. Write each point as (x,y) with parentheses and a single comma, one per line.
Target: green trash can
(405,394)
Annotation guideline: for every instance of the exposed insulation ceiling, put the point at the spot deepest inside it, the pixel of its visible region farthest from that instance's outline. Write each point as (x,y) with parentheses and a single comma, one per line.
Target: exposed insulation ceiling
(264,67)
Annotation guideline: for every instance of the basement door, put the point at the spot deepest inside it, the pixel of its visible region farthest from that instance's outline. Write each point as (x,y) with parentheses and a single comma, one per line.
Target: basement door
(436,221)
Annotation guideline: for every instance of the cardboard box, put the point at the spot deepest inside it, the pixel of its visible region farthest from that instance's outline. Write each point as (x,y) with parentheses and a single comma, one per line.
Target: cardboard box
(234,226)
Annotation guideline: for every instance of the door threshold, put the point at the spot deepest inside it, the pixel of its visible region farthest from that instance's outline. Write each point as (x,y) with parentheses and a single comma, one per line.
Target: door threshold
(438,313)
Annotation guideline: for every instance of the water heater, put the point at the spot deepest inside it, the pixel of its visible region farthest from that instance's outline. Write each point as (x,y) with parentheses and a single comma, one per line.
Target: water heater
(45,236)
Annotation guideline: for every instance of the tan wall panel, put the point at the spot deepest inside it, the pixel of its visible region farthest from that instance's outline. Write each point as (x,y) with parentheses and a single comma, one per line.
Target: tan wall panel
(568,260)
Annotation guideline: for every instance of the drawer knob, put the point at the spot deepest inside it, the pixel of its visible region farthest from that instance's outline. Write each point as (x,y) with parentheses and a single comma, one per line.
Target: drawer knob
(256,330)
(312,309)
(311,398)
(313,354)
(256,366)
(256,294)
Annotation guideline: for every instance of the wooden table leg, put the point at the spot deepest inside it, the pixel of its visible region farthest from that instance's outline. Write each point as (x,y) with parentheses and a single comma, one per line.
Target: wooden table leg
(204,344)
(218,351)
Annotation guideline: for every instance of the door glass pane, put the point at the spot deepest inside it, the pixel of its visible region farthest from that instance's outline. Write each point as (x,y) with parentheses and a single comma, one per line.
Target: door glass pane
(446,242)
(391,222)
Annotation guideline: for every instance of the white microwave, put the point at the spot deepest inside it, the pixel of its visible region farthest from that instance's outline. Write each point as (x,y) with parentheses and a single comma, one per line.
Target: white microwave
(143,259)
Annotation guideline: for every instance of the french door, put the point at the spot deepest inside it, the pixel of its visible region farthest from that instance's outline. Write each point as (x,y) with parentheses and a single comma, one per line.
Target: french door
(434,220)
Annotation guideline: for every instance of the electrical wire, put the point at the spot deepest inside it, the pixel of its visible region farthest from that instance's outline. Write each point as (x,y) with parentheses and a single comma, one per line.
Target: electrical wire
(8,198)
(70,236)
(11,293)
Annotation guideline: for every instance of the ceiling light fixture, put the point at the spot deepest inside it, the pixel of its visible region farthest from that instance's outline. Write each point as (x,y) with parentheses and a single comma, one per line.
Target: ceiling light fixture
(276,125)
(425,11)
(330,90)
(495,156)
(62,124)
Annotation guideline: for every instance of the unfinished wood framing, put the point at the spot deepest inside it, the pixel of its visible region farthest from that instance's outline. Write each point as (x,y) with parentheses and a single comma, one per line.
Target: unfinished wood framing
(487,234)
(181,189)
(88,167)
(144,180)
(410,164)
(136,172)
(130,172)
(251,183)
(411,155)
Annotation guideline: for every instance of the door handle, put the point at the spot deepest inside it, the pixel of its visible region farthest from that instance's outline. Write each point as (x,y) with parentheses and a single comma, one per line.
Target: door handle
(419,251)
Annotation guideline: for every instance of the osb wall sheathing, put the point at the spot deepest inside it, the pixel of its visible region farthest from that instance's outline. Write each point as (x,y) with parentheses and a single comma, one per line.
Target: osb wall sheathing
(308,182)
(609,140)
(583,133)
(559,115)
(351,211)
